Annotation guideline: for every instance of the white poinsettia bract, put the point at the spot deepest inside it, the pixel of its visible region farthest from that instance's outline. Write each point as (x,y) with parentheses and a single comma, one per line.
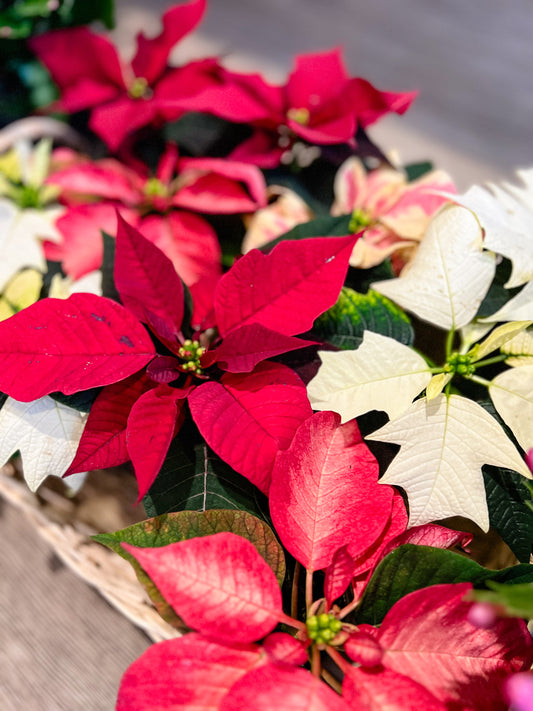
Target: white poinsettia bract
(46,433)
(450,274)
(382,374)
(444,443)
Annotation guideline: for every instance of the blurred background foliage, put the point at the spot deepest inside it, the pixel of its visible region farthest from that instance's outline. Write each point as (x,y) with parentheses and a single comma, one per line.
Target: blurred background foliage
(25,85)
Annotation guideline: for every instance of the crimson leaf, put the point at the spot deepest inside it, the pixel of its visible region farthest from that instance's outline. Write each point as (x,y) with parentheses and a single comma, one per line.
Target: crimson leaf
(70,345)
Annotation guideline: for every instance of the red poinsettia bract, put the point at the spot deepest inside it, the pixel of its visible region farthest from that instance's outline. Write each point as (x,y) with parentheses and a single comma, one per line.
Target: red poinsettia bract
(425,652)
(163,206)
(246,409)
(320,104)
(123,97)
(328,467)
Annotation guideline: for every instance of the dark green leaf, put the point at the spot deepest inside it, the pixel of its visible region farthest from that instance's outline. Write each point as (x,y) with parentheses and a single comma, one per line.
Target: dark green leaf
(283,177)
(361,279)
(52,268)
(108,264)
(82,401)
(410,568)
(203,134)
(509,513)
(30,8)
(326,226)
(166,493)
(343,325)
(415,171)
(83,12)
(206,482)
(181,526)
(497,295)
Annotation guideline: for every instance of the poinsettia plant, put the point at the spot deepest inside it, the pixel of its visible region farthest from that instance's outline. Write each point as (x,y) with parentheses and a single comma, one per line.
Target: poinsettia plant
(318,363)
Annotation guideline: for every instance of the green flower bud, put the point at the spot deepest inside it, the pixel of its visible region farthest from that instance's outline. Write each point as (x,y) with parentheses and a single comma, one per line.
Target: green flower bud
(324,620)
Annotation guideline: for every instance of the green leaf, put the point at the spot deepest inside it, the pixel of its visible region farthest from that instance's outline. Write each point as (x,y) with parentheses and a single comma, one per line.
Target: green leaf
(517,600)
(108,264)
(203,134)
(326,226)
(410,568)
(31,8)
(509,514)
(361,279)
(198,481)
(183,525)
(415,171)
(343,325)
(83,12)
(497,295)
(82,401)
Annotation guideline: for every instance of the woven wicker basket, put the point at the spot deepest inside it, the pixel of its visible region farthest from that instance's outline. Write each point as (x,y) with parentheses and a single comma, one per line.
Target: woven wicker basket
(111,575)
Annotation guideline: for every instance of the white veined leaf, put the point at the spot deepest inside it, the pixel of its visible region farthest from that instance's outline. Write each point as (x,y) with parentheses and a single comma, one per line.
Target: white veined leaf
(512,395)
(21,235)
(519,349)
(382,374)
(450,274)
(498,338)
(519,308)
(507,221)
(444,444)
(46,433)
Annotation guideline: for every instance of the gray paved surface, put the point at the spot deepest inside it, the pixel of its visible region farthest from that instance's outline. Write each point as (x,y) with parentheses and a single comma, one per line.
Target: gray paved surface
(61,647)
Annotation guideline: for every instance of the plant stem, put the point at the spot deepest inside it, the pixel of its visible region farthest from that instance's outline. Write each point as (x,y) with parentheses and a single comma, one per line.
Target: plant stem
(339,660)
(490,361)
(330,679)
(291,622)
(316,664)
(477,379)
(449,343)
(348,608)
(294,591)
(308,588)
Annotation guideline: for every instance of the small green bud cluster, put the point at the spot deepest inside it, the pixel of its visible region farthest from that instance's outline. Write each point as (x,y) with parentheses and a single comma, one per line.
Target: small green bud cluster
(139,88)
(155,188)
(190,353)
(323,628)
(460,363)
(359,220)
(31,196)
(301,116)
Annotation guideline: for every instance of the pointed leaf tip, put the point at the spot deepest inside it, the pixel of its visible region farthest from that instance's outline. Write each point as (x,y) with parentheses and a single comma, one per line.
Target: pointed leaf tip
(285,290)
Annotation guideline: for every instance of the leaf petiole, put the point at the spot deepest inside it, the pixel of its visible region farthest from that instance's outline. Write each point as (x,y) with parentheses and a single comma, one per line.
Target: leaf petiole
(308,589)
(490,361)
(294,590)
(479,380)
(449,342)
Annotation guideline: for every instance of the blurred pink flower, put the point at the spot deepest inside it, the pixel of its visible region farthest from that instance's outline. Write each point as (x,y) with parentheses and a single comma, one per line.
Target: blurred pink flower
(123,97)
(286,210)
(320,104)
(393,213)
